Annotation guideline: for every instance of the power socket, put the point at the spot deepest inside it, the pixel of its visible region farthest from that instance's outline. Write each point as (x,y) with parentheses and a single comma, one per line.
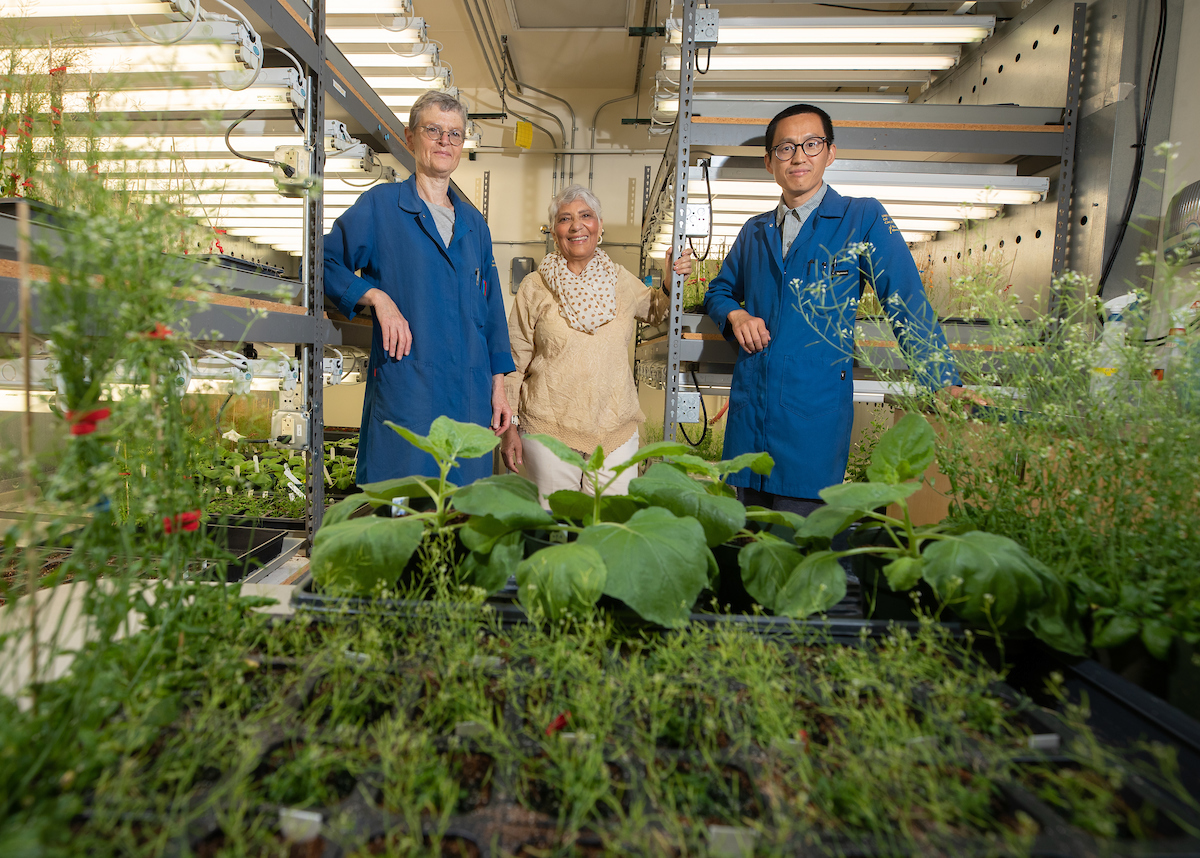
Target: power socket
(687,408)
(697,221)
(707,27)
(299,161)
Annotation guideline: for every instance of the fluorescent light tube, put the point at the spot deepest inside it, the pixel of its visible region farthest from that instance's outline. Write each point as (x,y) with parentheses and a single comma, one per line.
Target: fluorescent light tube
(932,61)
(869,29)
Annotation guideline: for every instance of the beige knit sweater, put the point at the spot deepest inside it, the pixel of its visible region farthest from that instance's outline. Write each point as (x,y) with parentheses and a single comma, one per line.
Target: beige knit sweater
(574,386)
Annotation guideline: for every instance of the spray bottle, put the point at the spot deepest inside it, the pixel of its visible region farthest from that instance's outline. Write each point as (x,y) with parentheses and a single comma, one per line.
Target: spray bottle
(1108,357)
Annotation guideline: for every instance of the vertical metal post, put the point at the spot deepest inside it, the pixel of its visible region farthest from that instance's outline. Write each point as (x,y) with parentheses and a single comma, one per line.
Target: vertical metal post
(687,69)
(1066,176)
(645,191)
(312,374)
(487,193)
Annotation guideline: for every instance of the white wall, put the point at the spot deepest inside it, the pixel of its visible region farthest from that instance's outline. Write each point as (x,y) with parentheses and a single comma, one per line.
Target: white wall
(1185,114)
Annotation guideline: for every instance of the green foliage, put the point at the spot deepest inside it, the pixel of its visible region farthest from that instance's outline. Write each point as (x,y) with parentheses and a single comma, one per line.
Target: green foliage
(561,581)
(666,486)
(360,554)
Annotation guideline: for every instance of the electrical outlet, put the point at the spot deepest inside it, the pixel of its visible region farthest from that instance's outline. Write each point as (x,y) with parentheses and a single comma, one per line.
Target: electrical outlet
(298,161)
(687,408)
(696,224)
(707,27)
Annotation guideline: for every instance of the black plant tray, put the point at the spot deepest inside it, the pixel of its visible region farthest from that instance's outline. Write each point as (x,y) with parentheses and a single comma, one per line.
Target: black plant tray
(252,547)
(504,605)
(506,810)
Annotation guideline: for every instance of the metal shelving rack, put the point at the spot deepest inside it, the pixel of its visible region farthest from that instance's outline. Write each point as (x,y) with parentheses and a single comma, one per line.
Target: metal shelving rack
(1000,131)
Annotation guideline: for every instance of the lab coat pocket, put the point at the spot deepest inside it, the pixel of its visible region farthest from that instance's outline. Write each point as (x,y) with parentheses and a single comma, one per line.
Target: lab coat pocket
(812,388)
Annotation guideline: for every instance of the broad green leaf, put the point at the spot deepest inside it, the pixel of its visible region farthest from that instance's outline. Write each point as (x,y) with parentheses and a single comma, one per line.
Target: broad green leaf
(666,486)
(490,571)
(1056,621)
(481,532)
(759,463)
(561,580)
(825,523)
(571,505)
(1157,637)
(1092,592)
(903,573)
(867,496)
(560,449)
(454,440)
(767,564)
(657,563)
(693,464)
(353,556)
(596,460)
(419,441)
(509,498)
(816,584)
(904,451)
(343,509)
(404,487)
(774,516)
(1115,632)
(658,449)
(989,579)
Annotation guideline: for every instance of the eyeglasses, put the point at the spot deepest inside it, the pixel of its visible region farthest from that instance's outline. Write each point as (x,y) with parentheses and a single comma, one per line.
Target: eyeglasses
(434,133)
(811,146)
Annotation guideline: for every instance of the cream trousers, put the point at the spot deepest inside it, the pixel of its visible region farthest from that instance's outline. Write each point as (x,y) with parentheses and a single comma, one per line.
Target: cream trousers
(552,474)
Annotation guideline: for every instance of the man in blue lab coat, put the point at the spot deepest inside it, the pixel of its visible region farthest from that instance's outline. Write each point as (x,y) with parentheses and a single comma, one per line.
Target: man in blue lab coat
(425,268)
(800,271)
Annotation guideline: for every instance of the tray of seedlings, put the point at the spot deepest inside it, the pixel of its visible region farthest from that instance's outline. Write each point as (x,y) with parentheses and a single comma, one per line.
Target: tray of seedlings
(378,734)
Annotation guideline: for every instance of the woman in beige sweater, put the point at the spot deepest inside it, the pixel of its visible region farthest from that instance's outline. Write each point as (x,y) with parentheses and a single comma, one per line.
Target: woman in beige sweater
(570,329)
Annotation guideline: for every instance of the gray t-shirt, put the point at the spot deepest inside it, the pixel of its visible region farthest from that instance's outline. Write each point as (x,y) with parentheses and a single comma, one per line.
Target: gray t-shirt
(444,218)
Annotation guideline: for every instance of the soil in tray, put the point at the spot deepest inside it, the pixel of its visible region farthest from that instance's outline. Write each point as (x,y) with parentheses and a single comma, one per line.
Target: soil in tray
(604,790)
(359,698)
(216,844)
(15,575)
(449,847)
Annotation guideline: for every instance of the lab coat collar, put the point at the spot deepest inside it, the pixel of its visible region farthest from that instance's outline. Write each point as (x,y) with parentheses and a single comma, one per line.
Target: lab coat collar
(410,201)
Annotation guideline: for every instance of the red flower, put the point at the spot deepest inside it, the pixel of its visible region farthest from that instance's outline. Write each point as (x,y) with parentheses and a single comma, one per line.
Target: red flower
(85,424)
(558,723)
(188,521)
(160,332)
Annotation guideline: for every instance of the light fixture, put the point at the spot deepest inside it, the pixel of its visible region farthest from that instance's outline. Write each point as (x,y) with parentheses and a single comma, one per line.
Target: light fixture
(208,46)
(391,8)
(869,29)
(275,89)
(404,31)
(757,205)
(272,201)
(759,96)
(77,9)
(474,137)
(436,79)
(928,60)
(988,190)
(724,222)
(425,58)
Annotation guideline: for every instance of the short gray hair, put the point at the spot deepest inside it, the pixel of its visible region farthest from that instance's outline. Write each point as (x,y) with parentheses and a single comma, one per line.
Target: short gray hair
(570,195)
(440,101)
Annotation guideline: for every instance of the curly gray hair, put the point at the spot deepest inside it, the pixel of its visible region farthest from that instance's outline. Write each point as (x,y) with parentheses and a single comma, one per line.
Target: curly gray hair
(439,101)
(570,195)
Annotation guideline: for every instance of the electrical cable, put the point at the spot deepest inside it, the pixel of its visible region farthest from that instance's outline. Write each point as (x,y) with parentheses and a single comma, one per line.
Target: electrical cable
(1139,145)
(377,162)
(703,411)
(707,62)
(187,32)
(288,171)
(708,247)
(290,56)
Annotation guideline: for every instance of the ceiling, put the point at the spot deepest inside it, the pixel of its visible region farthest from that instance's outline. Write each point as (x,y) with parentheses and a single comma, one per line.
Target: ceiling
(584,44)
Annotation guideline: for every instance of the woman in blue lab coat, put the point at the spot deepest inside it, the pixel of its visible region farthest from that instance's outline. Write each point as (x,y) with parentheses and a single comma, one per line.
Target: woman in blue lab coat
(423,258)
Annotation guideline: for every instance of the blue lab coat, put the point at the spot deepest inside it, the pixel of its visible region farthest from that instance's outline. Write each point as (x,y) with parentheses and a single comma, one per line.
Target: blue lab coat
(452,301)
(794,398)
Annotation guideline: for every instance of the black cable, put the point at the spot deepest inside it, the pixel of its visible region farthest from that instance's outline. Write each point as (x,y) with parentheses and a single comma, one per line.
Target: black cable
(1139,145)
(287,171)
(863,9)
(707,62)
(708,247)
(703,411)
(296,119)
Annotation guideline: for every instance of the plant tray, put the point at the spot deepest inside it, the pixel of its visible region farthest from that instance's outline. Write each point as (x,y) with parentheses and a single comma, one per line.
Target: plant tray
(252,547)
(514,808)
(504,605)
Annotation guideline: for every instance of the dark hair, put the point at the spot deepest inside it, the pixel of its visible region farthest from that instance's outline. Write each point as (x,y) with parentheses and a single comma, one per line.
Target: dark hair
(796,110)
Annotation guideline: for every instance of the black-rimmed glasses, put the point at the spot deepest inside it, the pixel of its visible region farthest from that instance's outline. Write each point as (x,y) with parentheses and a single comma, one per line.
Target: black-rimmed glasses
(811,146)
(435,132)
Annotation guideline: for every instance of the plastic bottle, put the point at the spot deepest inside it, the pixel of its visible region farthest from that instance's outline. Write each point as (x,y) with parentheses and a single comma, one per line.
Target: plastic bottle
(1107,364)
